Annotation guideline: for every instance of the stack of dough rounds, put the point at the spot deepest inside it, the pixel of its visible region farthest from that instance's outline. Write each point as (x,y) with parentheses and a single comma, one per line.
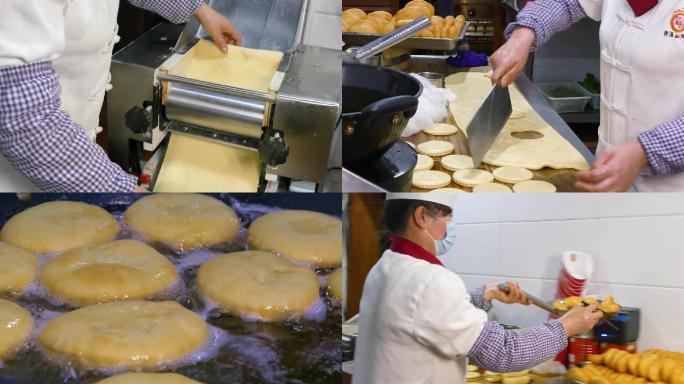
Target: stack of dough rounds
(17,268)
(183,221)
(441,129)
(120,270)
(472,177)
(430,179)
(58,226)
(259,283)
(335,284)
(125,334)
(435,148)
(424,163)
(16,325)
(304,236)
(448,190)
(512,175)
(534,186)
(491,187)
(456,162)
(148,378)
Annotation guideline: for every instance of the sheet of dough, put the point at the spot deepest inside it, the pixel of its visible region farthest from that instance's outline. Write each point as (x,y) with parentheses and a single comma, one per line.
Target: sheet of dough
(551,151)
(245,68)
(192,164)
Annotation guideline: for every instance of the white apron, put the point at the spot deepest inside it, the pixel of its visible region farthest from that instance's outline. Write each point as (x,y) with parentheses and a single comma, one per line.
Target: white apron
(641,75)
(83,67)
(416,324)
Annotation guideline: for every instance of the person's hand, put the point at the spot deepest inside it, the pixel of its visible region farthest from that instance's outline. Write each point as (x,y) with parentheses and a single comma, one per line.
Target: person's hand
(140,189)
(615,169)
(580,319)
(221,30)
(510,59)
(516,295)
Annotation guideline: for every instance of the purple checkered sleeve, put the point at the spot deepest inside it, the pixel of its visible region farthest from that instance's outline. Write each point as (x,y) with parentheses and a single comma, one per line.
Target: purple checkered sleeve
(43,143)
(546,17)
(176,11)
(664,147)
(477,299)
(501,350)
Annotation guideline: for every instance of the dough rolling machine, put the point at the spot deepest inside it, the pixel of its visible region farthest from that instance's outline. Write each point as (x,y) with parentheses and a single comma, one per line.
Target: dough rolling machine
(292,125)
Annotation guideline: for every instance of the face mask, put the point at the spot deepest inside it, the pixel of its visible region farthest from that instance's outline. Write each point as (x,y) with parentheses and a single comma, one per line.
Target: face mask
(442,246)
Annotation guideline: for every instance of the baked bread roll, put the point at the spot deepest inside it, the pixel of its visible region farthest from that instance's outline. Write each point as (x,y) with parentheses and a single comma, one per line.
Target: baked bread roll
(381,14)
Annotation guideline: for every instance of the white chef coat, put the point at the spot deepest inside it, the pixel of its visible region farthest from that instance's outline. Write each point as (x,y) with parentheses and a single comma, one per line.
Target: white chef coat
(416,324)
(641,75)
(78,37)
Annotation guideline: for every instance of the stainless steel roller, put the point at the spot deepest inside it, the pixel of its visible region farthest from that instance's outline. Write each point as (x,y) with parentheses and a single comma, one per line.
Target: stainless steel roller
(210,109)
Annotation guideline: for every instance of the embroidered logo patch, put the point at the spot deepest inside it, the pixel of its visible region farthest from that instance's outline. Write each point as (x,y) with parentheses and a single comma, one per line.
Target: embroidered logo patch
(676,25)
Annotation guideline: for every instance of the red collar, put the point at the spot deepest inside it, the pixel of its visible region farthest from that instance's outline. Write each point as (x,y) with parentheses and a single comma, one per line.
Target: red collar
(408,247)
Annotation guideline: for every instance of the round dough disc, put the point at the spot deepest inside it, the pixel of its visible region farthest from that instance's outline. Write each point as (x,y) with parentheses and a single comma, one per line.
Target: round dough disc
(183,221)
(456,162)
(435,148)
(512,175)
(534,186)
(430,179)
(335,284)
(424,163)
(517,114)
(448,190)
(410,144)
(258,283)
(472,177)
(59,226)
(119,270)
(305,236)
(17,268)
(440,129)
(148,378)
(130,334)
(15,327)
(491,187)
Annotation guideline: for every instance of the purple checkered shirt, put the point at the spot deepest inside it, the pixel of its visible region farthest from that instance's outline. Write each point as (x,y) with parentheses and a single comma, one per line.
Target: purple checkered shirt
(41,140)
(664,144)
(501,350)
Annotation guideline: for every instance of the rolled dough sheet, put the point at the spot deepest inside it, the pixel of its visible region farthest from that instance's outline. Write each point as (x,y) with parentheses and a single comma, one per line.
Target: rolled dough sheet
(552,150)
(245,68)
(192,164)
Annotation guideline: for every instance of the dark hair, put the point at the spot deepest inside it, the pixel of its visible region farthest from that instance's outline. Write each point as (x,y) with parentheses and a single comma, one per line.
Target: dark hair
(398,212)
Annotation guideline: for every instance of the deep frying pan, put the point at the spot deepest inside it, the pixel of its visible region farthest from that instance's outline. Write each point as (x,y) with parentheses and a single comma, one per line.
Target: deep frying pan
(307,353)
(376,105)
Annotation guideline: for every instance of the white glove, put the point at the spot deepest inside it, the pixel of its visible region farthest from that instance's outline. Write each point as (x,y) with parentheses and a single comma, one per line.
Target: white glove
(432,107)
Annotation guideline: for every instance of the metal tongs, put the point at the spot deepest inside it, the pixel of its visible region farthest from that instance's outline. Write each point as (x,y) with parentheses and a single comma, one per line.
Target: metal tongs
(393,38)
(534,300)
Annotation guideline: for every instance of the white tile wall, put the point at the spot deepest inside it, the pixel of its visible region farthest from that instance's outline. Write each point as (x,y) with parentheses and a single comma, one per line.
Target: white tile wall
(636,240)
(323,27)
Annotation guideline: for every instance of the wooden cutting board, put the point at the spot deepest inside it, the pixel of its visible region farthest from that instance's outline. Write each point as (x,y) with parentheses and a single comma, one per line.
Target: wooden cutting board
(563,179)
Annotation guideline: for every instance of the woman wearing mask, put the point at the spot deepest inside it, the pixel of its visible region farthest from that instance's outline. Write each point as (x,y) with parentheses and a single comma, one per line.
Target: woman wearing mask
(418,324)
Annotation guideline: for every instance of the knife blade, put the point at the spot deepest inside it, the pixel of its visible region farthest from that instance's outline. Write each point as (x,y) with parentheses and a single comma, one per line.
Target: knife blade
(488,122)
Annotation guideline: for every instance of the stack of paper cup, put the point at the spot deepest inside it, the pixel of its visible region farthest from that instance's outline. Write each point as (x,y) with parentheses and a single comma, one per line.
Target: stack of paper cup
(576,269)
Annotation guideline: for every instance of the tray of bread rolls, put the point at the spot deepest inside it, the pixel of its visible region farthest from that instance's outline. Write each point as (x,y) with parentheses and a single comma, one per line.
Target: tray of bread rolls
(360,28)
(208,287)
(617,366)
